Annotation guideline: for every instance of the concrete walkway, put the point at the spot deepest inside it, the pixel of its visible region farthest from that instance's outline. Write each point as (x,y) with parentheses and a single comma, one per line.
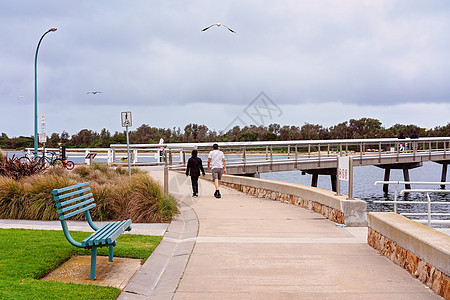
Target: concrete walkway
(252,248)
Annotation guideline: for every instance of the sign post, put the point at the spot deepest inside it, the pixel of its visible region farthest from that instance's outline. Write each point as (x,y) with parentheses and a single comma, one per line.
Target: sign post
(126,122)
(43,135)
(345,173)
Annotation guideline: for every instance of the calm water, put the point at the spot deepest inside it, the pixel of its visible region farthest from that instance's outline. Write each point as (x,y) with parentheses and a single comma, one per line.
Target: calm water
(364,189)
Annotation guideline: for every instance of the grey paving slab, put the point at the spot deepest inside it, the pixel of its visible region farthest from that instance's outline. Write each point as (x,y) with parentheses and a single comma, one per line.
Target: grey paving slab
(252,248)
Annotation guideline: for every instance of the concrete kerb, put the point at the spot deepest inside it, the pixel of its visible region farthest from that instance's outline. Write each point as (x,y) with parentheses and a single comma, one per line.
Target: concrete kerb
(426,243)
(354,211)
(159,277)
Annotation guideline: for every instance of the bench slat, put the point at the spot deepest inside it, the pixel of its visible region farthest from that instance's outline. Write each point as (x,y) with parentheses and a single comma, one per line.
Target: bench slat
(106,237)
(72,207)
(107,234)
(62,204)
(62,190)
(125,225)
(83,209)
(89,241)
(61,196)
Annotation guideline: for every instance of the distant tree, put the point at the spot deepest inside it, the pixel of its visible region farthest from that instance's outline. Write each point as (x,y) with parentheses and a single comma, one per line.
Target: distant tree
(119,138)
(84,139)
(340,131)
(53,141)
(289,133)
(22,142)
(5,141)
(365,128)
(274,128)
(313,132)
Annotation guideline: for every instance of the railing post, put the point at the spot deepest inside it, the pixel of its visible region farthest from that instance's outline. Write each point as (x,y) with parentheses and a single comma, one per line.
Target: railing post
(135,156)
(429,150)
(289,151)
(445,149)
(296,156)
(166,179)
(328,150)
(267,152)
(340,149)
(395,198)
(429,209)
(338,181)
(360,153)
(379,152)
(109,154)
(350,179)
(397,147)
(244,156)
(271,157)
(318,151)
(309,150)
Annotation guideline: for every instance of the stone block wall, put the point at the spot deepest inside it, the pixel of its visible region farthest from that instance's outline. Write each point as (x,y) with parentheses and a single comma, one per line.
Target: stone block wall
(417,246)
(329,212)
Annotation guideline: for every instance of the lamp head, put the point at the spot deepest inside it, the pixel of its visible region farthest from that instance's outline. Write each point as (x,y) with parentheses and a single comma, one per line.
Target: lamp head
(52,29)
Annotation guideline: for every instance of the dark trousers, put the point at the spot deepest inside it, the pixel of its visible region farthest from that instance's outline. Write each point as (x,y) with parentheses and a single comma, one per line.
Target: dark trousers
(194,180)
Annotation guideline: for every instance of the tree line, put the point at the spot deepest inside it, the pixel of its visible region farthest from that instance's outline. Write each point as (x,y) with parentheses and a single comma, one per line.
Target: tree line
(194,133)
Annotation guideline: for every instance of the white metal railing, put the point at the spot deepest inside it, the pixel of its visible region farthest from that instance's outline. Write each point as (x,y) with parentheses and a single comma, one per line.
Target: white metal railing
(278,152)
(320,150)
(429,214)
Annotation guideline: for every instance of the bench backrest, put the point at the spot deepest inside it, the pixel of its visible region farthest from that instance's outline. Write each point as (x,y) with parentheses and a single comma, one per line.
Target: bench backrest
(73,200)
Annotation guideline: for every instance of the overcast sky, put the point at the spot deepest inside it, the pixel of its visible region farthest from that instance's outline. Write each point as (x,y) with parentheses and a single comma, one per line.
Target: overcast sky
(289,62)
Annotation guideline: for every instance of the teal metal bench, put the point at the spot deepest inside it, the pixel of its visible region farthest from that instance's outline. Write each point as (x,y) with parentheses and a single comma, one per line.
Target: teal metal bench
(76,199)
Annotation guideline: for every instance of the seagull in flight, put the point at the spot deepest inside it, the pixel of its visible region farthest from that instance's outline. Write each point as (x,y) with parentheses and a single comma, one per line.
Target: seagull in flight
(218,25)
(20,97)
(95,92)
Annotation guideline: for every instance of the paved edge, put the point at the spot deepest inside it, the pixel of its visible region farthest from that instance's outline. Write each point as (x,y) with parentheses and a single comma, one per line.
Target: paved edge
(160,275)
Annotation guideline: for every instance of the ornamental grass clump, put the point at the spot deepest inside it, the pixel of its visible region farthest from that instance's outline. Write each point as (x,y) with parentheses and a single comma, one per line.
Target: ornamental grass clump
(14,168)
(142,201)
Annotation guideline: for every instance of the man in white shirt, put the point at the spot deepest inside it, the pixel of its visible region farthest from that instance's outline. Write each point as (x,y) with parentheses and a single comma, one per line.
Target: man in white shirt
(216,163)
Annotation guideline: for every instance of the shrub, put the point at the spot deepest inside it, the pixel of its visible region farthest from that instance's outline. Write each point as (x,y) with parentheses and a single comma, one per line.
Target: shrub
(16,169)
(142,201)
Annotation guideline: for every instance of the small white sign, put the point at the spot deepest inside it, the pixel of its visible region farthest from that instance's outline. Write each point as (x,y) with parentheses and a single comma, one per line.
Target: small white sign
(126,119)
(42,138)
(344,168)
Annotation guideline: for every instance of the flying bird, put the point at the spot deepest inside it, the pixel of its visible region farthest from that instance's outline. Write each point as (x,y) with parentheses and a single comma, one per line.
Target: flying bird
(95,92)
(20,97)
(218,25)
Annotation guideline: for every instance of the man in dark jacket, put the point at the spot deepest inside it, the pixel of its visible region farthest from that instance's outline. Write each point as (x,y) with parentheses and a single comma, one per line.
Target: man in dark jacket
(194,166)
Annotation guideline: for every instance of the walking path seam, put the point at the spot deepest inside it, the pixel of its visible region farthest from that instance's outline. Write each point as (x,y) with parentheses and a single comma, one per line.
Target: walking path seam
(160,275)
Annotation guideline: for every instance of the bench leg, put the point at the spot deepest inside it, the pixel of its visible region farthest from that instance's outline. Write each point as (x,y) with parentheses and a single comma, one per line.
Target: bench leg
(111,253)
(93,262)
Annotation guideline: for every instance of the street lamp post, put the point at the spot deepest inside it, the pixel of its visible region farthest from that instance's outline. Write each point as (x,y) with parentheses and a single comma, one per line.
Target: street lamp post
(35,95)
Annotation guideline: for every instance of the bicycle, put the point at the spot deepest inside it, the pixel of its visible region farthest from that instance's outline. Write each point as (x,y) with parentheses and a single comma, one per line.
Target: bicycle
(48,159)
(26,158)
(68,164)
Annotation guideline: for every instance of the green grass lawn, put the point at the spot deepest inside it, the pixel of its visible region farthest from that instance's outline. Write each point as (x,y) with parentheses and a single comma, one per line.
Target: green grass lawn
(28,255)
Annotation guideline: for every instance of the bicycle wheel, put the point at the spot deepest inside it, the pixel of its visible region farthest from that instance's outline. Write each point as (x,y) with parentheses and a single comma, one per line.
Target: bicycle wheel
(58,163)
(41,161)
(69,165)
(24,160)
